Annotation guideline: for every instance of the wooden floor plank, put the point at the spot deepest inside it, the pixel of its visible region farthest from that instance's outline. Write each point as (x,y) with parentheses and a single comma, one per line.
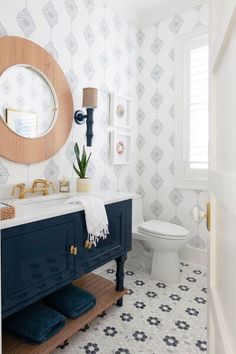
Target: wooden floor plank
(103,290)
(86,279)
(90,286)
(106,296)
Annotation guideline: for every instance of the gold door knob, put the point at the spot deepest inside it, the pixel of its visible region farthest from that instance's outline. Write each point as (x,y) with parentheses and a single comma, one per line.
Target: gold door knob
(208,216)
(199,214)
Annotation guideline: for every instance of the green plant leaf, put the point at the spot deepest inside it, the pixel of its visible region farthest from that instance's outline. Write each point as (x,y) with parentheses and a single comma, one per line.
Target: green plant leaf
(84,155)
(82,162)
(88,160)
(77,171)
(76,149)
(86,164)
(83,159)
(77,152)
(81,167)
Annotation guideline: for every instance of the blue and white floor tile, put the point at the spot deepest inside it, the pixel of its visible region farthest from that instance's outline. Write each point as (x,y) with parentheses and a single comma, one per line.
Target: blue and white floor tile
(156,318)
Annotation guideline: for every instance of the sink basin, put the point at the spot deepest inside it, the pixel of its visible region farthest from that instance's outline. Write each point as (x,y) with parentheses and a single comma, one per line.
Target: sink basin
(47,203)
(50,201)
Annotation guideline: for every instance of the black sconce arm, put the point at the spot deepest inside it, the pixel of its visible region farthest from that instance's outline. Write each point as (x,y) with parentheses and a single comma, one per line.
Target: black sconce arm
(80,118)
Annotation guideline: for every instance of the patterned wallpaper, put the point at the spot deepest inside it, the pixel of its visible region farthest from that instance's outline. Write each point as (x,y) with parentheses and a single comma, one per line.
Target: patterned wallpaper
(156,119)
(96,46)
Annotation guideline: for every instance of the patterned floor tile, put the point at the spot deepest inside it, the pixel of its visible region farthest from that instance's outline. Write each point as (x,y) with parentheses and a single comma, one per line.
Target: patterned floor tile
(156,318)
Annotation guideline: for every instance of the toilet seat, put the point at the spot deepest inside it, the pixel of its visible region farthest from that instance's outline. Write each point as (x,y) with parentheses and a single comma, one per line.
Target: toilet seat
(162,229)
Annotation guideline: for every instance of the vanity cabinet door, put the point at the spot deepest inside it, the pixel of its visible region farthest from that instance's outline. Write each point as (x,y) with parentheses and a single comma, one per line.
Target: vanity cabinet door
(34,260)
(117,242)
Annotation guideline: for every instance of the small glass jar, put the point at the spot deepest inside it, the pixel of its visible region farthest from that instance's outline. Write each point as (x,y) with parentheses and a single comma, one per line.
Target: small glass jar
(64,185)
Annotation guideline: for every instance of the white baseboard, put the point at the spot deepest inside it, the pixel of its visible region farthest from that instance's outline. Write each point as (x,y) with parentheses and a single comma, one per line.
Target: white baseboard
(104,267)
(194,255)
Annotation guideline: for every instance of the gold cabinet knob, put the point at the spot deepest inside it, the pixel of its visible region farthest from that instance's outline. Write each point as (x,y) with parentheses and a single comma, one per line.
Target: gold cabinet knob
(73,250)
(88,244)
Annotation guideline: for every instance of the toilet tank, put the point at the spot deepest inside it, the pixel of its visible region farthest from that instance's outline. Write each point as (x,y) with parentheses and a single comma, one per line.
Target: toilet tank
(137,209)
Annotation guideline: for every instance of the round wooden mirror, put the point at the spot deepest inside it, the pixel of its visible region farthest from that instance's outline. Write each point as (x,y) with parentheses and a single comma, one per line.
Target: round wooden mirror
(19,140)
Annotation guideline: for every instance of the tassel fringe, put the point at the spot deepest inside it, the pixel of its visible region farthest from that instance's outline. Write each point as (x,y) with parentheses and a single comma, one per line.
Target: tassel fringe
(98,234)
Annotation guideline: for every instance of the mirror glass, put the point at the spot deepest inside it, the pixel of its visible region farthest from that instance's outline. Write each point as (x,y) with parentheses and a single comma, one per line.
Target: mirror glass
(28,103)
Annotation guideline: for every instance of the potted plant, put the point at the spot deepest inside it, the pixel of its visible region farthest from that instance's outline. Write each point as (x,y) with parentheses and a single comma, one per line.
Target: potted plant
(83,183)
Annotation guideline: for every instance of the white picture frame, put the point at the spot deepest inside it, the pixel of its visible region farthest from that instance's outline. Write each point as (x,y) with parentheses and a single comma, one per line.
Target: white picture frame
(120,148)
(120,111)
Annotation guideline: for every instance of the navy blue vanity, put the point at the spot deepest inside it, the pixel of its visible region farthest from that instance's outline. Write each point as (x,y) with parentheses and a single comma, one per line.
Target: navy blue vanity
(43,256)
(43,247)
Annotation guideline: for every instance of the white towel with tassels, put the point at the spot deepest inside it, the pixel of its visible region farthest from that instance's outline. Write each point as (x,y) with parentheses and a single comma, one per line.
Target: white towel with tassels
(95,217)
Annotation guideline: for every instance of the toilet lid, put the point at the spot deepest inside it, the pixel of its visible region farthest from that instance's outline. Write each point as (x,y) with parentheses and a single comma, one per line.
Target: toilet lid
(157,227)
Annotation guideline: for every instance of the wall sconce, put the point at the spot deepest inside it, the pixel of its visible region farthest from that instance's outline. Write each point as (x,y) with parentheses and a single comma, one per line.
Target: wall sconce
(90,97)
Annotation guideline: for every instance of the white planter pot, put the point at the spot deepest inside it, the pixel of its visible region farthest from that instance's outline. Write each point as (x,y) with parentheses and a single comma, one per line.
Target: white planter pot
(83,185)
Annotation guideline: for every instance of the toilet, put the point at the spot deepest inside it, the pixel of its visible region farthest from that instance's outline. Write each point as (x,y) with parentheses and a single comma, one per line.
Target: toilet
(163,238)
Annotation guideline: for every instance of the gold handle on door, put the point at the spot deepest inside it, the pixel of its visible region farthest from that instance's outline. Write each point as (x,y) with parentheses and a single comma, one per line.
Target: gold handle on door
(198,214)
(208,216)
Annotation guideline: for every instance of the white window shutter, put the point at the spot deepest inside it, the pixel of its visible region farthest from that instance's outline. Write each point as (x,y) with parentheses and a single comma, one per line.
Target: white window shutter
(192,131)
(197,110)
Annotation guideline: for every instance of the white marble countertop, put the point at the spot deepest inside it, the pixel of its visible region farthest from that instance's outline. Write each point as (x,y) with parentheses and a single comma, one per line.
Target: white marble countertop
(44,207)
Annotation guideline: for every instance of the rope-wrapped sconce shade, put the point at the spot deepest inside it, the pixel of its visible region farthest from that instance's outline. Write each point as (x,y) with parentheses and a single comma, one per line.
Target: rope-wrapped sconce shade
(90,100)
(90,97)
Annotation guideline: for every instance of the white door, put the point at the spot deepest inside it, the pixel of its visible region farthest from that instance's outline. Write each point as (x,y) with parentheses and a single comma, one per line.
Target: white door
(222,179)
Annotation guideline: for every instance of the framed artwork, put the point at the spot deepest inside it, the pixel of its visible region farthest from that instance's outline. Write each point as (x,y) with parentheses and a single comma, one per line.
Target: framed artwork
(23,123)
(120,148)
(120,111)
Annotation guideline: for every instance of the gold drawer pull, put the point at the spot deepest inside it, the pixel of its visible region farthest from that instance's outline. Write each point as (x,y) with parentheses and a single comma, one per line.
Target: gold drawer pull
(72,249)
(88,244)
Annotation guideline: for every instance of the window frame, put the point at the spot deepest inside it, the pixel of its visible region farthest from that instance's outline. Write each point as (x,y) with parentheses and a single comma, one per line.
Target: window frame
(197,179)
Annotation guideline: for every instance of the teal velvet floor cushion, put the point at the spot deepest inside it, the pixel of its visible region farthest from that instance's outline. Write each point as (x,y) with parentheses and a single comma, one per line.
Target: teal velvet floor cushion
(71,301)
(35,324)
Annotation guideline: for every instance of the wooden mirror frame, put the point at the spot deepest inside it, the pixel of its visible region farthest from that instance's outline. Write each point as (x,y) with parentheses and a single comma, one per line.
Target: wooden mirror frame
(15,51)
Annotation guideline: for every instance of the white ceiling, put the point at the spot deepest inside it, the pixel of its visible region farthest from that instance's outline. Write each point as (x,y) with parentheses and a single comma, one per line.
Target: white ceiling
(144,12)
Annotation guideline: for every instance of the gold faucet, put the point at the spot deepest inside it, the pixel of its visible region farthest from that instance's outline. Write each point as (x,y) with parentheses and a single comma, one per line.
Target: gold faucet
(39,185)
(42,185)
(22,190)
